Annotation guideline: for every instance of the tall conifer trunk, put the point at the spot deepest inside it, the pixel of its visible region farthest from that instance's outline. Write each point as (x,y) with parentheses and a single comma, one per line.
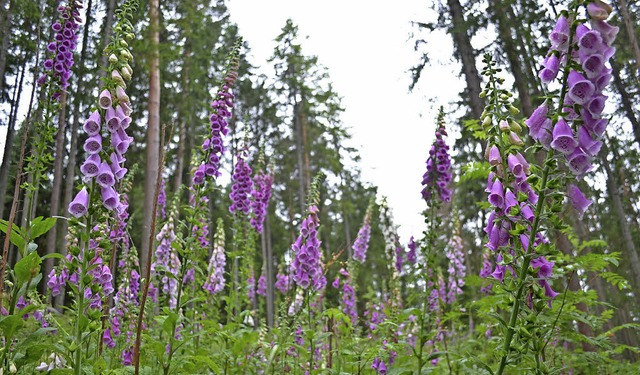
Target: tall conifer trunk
(153,130)
(467,55)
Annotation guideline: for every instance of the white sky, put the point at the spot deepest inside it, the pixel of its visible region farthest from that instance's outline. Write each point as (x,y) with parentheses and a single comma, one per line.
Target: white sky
(367,49)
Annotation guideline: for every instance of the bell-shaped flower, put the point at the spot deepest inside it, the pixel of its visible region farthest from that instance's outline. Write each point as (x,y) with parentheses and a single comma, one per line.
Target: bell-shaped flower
(110,198)
(589,41)
(580,88)
(579,163)
(593,65)
(589,145)
(93,144)
(92,125)
(560,34)
(105,99)
(563,140)
(91,166)
(578,200)
(105,176)
(496,197)
(494,156)
(80,204)
(551,67)
(113,122)
(607,31)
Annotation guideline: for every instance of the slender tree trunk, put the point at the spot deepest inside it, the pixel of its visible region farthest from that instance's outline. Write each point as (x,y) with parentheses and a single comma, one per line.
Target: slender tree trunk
(302,189)
(153,129)
(625,101)
(6,35)
(628,244)
(182,126)
(8,145)
(56,183)
(467,56)
(503,23)
(631,33)
(106,32)
(266,271)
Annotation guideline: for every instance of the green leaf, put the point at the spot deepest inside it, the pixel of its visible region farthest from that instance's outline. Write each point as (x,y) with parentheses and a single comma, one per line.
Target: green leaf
(10,324)
(27,268)
(16,237)
(40,226)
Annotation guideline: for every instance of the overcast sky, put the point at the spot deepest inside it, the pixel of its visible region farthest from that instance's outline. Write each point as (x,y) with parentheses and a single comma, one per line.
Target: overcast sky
(367,48)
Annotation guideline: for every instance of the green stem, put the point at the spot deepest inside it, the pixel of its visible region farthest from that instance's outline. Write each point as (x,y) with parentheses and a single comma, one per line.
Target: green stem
(525,267)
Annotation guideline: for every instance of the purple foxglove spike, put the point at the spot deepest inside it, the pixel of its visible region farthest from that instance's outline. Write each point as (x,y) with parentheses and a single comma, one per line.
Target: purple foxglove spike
(80,204)
(560,34)
(580,89)
(105,176)
(110,198)
(496,197)
(578,200)
(93,144)
(113,122)
(494,156)
(563,140)
(590,146)
(607,31)
(92,125)
(91,166)
(105,99)
(579,163)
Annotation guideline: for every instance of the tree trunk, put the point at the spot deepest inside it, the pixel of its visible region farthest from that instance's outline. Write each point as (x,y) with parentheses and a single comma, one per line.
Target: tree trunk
(500,16)
(266,271)
(73,144)
(467,56)
(6,34)
(106,33)
(625,100)
(631,33)
(56,183)
(182,126)
(8,145)
(153,131)
(618,209)
(297,123)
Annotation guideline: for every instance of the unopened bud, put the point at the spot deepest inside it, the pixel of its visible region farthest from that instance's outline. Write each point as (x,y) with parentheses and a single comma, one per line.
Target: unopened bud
(113,58)
(515,140)
(487,121)
(504,125)
(513,110)
(515,126)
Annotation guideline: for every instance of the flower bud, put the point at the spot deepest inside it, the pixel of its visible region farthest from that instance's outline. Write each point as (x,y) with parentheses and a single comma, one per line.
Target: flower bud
(504,125)
(113,58)
(514,111)
(515,126)
(515,140)
(487,121)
